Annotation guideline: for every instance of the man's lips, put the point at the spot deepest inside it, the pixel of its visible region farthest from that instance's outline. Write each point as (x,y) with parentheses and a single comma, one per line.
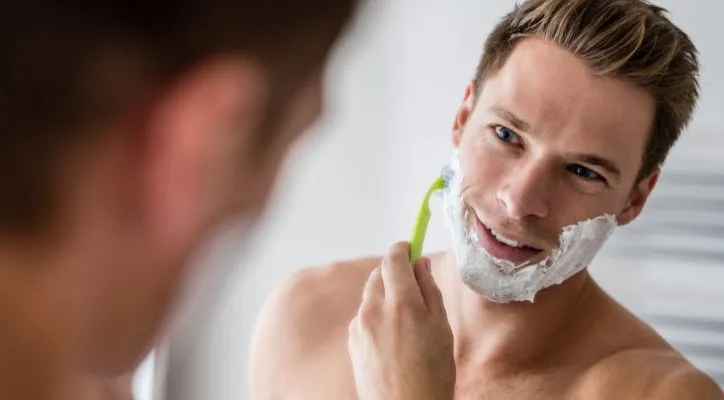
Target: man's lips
(504,247)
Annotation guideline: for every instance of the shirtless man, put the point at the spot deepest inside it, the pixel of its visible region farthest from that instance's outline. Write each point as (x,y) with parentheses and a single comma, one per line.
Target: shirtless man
(572,110)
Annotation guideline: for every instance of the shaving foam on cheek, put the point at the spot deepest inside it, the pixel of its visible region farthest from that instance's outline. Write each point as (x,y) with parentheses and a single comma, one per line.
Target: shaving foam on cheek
(503,281)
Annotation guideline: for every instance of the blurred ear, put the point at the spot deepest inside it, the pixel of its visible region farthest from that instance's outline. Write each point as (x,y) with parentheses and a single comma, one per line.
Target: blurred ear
(637,199)
(463,114)
(194,136)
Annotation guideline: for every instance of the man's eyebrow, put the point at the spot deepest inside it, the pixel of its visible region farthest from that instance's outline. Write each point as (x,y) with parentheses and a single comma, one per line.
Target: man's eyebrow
(598,161)
(517,122)
(590,159)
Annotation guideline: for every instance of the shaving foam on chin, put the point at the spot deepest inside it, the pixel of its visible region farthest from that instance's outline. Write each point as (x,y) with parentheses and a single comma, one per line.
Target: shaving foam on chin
(503,281)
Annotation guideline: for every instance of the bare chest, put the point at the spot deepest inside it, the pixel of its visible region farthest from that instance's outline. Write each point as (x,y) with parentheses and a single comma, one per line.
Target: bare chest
(496,390)
(334,382)
(335,389)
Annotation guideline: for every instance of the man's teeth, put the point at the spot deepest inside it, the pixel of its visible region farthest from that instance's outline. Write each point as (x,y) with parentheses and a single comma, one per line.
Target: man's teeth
(505,240)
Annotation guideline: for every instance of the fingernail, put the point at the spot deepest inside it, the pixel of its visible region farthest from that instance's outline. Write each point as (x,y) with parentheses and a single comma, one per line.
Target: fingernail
(428,265)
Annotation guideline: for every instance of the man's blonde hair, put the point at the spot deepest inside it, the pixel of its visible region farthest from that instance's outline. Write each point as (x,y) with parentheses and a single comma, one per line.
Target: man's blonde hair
(628,39)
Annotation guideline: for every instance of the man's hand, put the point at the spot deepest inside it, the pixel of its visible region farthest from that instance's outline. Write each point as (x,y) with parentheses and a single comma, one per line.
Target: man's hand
(400,342)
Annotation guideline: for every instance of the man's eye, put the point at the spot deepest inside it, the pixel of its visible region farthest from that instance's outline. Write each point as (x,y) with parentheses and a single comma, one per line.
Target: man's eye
(585,173)
(506,135)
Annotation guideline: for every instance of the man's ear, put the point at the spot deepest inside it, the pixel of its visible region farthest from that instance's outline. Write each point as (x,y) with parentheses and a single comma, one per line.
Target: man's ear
(463,114)
(638,197)
(193,135)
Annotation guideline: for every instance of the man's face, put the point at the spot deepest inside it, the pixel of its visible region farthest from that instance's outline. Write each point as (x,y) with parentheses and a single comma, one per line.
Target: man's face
(544,144)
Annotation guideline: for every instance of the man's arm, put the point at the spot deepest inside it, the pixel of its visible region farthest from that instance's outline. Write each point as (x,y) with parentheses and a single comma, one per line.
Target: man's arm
(296,328)
(272,348)
(301,335)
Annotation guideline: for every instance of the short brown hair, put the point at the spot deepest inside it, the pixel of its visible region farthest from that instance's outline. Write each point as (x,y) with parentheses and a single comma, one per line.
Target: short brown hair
(626,39)
(49,50)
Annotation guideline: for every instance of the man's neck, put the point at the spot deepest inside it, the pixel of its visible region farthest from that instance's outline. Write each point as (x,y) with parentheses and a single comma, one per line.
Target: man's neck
(508,337)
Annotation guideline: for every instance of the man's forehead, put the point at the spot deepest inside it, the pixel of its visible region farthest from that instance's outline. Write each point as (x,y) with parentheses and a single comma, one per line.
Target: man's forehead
(551,83)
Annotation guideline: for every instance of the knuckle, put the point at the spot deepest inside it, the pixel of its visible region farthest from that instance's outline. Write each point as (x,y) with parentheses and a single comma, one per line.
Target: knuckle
(369,286)
(399,247)
(353,329)
(401,250)
(375,276)
(401,308)
(373,288)
(396,251)
(387,260)
(367,315)
(397,305)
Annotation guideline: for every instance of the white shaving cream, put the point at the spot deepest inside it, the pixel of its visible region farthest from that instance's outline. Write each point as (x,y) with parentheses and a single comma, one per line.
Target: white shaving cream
(503,281)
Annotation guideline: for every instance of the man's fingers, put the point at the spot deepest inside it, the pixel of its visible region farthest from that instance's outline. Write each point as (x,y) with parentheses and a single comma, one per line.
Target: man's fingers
(352,335)
(430,292)
(398,275)
(374,288)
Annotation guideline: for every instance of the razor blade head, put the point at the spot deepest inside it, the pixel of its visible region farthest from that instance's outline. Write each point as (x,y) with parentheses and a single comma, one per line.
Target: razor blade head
(447,174)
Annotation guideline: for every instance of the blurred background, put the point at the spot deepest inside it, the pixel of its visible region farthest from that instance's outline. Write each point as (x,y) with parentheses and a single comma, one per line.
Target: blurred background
(354,186)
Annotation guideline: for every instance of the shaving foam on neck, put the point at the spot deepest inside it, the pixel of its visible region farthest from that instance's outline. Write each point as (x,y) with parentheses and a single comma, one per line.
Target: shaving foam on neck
(503,281)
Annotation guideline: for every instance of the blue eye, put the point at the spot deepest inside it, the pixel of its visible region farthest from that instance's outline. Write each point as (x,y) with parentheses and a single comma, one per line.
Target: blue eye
(584,172)
(506,135)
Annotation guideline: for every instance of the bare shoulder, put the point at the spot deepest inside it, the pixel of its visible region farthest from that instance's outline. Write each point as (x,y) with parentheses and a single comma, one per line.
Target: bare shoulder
(317,298)
(305,319)
(648,373)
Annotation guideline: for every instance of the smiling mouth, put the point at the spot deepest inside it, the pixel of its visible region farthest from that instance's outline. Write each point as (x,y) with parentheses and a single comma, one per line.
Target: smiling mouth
(507,241)
(504,248)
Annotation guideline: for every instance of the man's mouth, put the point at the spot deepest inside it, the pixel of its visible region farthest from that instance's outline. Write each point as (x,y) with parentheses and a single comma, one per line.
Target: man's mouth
(505,240)
(503,247)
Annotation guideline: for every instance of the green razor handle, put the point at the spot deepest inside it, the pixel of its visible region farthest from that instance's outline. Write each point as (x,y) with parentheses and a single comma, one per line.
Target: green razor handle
(423,219)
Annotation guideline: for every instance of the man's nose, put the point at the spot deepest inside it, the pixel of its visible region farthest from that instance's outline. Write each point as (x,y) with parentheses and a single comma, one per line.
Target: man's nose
(525,192)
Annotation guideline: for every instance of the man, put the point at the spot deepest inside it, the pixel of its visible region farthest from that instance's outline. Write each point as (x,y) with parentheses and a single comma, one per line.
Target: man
(572,110)
(130,131)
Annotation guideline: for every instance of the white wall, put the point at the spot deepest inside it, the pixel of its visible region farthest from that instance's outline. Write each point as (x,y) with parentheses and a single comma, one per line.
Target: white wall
(354,188)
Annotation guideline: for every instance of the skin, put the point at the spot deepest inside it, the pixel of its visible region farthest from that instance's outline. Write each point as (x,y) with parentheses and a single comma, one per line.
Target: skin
(402,312)
(82,306)
(573,342)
